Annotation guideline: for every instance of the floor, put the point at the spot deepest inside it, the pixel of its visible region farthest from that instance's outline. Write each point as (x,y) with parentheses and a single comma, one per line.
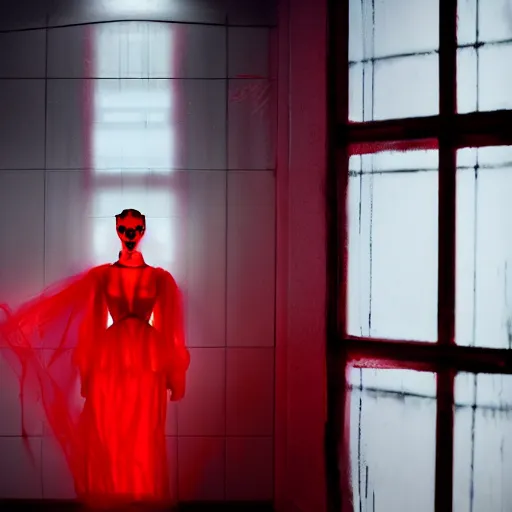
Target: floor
(65,506)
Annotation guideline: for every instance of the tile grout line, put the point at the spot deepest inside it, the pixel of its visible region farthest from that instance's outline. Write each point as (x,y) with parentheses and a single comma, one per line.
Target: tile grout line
(45,176)
(226,162)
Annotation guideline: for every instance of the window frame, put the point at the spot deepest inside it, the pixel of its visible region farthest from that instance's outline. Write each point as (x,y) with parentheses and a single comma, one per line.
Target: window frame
(451,131)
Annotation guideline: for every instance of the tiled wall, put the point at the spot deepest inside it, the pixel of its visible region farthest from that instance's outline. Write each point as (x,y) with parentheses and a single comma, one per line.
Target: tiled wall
(220,438)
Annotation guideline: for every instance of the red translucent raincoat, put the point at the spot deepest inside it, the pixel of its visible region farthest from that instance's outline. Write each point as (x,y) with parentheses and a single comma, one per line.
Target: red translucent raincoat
(114,442)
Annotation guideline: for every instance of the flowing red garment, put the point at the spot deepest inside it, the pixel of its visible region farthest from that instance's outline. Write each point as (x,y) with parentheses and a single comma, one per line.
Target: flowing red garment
(115,442)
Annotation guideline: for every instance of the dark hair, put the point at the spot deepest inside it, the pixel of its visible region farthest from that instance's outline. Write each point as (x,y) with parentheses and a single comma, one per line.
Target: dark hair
(133,212)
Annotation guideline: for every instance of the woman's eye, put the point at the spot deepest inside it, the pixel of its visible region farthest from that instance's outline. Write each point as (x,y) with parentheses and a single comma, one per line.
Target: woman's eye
(121,229)
(139,228)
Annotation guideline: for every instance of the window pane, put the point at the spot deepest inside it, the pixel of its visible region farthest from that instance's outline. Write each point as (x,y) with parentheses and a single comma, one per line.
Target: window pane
(483,78)
(483,75)
(494,21)
(483,443)
(360,92)
(392,439)
(484,247)
(394,65)
(394,88)
(392,283)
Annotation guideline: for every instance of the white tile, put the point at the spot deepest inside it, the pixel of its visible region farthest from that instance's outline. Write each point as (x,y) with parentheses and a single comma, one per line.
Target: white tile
(250,392)
(104,243)
(201,466)
(171,420)
(161,244)
(200,124)
(22,14)
(249,469)
(251,259)
(75,11)
(137,49)
(67,231)
(22,54)
(252,124)
(171,444)
(205,205)
(248,12)
(202,411)
(10,399)
(69,124)
(71,52)
(154,193)
(60,367)
(249,52)
(22,253)
(57,479)
(22,124)
(20,468)
(199,51)
(134,124)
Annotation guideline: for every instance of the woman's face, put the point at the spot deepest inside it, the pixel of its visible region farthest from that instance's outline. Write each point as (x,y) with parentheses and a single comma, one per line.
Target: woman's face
(130,231)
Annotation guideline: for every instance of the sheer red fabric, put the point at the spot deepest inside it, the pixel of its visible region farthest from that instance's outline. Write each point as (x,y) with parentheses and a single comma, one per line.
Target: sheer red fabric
(114,442)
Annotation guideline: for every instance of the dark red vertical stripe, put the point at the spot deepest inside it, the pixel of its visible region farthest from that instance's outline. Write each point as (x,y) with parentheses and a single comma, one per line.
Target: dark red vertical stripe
(282,255)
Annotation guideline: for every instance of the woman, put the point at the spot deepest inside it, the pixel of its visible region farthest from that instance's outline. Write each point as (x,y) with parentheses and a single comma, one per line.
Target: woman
(115,444)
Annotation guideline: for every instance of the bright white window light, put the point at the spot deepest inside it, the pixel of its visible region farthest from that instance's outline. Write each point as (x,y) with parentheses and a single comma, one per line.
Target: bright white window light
(133,114)
(133,135)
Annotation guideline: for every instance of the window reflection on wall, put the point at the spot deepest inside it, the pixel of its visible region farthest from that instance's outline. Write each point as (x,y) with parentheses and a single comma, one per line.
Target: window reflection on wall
(133,137)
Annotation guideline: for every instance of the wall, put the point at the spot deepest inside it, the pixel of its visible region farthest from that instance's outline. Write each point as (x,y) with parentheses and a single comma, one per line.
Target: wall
(301,276)
(66,169)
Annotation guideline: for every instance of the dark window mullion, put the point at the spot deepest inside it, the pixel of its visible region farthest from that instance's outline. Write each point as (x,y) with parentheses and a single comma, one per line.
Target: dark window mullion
(472,129)
(337,457)
(337,186)
(446,260)
(425,356)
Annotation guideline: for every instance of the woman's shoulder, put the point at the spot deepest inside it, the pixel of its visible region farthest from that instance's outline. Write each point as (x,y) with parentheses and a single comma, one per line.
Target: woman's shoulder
(164,276)
(99,270)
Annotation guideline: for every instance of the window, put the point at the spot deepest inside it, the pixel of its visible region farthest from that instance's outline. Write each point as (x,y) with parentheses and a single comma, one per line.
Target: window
(420,310)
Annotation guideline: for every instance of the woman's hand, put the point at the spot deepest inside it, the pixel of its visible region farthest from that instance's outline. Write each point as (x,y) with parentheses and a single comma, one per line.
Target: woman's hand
(177,395)
(176,387)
